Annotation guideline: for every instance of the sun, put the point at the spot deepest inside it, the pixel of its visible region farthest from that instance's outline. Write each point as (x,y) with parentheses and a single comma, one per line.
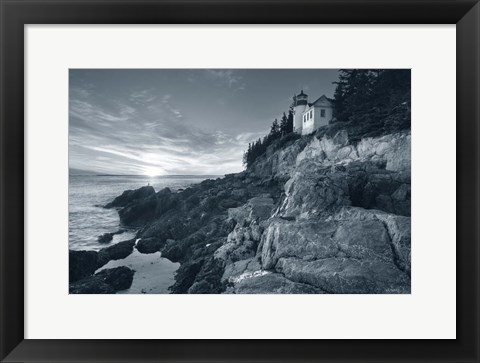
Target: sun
(152,172)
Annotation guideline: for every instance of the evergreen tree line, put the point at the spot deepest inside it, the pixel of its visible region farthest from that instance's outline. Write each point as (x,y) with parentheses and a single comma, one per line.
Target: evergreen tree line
(372,102)
(367,103)
(277,130)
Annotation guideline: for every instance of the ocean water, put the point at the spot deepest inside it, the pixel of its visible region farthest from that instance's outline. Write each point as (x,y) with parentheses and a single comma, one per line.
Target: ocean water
(88,220)
(87,193)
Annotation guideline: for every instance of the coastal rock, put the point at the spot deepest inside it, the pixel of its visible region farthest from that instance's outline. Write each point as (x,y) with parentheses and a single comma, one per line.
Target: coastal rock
(91,285)
(316,214)
(369,249)
(107,237)
(233,271)
(271,283)
(81,264)
(228,203)
(84,263)
(398,229)
(165,201)
(279,161)
(138,212)
(208,281)
(314,190)
(232,252)
(149,245)
(339,275)
(107,281)
(312,240)
(371,186)
(119,278)
(256,209)
(115,252)
(129,196)
(173,250)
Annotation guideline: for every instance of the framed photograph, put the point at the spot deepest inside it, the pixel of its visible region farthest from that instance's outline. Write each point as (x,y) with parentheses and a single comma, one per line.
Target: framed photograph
(239,181)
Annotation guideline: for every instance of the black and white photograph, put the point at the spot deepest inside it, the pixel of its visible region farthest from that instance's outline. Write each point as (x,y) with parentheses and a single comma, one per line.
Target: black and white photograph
(239,181)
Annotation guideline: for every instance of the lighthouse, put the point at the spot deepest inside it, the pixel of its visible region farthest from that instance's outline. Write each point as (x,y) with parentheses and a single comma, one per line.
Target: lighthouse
(309,117)
(300,103)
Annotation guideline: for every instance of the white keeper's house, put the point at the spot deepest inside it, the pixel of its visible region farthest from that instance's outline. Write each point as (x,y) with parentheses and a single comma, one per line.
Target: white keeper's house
(308,117)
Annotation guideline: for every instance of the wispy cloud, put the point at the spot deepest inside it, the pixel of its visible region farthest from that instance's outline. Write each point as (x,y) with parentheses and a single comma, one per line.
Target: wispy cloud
(227,77)
(177,121)
(145,133)
(143,97)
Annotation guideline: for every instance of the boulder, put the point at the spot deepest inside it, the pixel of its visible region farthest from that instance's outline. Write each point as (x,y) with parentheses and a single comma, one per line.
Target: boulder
(84,263)
(271,283)
(119,278)
(173,251)
(91,285)
(228,203)
(149,245)
(303,239)
(208,281)
(367,239)
(115,252)
(314,190)
(339,275)
(129,196)
(81,264)
(107,281)
(138,212)
(234,270)
(256,209)
(107,237)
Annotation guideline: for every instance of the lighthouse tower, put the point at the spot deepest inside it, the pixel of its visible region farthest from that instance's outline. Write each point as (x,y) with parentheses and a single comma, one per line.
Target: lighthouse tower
(299,106)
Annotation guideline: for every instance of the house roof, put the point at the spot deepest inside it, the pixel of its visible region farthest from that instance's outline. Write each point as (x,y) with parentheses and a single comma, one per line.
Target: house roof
(321,98)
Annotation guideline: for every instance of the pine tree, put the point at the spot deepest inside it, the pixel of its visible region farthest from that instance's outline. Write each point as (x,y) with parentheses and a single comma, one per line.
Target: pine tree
(284,124)
(274,130)
(372,102)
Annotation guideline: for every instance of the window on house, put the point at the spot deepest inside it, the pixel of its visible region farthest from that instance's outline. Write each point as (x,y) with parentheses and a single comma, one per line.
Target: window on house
(322,112)
(311,114)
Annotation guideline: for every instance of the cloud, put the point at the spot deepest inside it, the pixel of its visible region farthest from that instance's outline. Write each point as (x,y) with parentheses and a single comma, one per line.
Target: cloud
(227,77)
(143,97)
(146,133)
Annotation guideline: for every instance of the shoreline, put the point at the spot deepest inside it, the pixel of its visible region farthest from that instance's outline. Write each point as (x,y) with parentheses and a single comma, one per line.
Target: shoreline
(295,222)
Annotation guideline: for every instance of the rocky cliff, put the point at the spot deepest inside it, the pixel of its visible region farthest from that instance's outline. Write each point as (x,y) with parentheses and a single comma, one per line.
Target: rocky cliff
(316,214)
(342,224)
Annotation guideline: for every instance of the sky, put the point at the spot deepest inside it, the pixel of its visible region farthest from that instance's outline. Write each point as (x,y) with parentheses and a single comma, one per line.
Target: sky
(178,121)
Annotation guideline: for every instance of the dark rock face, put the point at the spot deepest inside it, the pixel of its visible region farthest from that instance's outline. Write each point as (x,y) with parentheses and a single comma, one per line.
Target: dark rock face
(189,225)
(371,186)
(119,278)
(273,283)
(149,245)
(91,285)
(130,196)
(138,212)
(107,281)
(115,252)
(136,206)
(84,263)
(81,264)
(107,237)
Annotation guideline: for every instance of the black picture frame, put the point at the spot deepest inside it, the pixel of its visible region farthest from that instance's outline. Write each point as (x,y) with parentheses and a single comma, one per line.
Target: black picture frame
(15,14)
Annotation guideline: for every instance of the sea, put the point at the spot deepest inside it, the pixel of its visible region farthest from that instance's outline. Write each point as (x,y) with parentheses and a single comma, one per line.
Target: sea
(88,220)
